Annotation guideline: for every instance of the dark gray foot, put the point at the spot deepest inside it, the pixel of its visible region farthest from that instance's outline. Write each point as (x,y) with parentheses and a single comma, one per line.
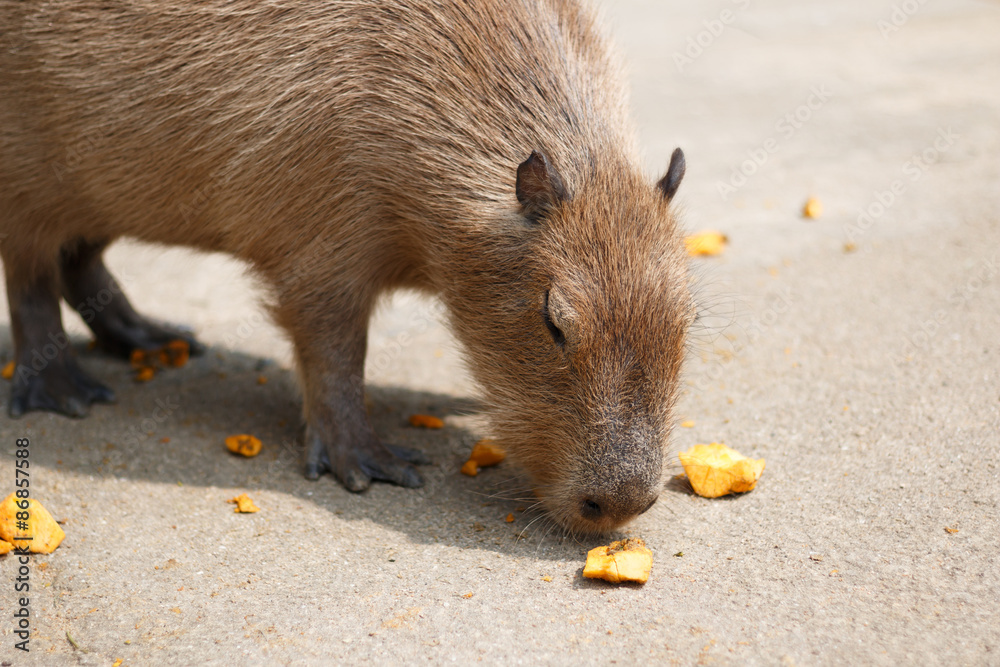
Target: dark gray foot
(60,386)
(98,298)
(356,467)
(46,374)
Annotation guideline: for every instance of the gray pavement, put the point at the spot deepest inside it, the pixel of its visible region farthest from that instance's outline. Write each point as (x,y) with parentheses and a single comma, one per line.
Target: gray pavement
(869,380)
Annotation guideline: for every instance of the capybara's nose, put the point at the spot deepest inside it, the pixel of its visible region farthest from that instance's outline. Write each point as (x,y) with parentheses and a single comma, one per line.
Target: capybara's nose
(616,506)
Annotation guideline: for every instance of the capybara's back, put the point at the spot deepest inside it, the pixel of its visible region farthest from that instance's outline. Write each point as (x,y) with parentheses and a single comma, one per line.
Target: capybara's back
(476,150)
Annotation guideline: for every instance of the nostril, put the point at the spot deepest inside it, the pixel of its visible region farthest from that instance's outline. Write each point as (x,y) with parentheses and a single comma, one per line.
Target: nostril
(591,509)
(651,503)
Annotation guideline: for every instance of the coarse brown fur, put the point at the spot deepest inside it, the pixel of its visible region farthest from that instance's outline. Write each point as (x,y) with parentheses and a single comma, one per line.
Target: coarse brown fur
(344,149)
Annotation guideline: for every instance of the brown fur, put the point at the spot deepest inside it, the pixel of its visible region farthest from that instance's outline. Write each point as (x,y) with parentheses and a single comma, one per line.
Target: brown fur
(348,148)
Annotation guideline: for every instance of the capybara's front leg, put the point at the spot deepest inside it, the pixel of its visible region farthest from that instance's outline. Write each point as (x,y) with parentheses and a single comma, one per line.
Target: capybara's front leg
(89,287)
(47,375)
(339,437)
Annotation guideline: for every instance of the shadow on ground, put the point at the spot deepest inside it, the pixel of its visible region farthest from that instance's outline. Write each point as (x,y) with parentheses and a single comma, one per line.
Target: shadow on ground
(171,429)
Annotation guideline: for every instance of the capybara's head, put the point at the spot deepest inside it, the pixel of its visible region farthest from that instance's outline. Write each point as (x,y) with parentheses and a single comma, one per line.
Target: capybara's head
(580,340)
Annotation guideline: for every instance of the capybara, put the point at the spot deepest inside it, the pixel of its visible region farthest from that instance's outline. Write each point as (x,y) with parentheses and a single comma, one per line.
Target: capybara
(477,150)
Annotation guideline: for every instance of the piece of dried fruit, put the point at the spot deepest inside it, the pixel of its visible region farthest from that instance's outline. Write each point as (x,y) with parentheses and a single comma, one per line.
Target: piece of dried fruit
(244,445)
(716,470)
(145,374)
(243,504)
(625,560)
(487,453)
(470,468)
(812,209)
(8,370)
(142,358)
(706,243)
(426,421)
(39,525)
(175,353)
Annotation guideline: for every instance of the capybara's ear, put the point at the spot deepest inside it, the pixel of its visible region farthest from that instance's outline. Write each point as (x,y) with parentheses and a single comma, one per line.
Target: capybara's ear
(675,172)
(539,186)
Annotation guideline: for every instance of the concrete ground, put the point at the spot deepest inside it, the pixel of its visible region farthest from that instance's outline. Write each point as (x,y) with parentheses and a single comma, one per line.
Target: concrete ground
(857,353)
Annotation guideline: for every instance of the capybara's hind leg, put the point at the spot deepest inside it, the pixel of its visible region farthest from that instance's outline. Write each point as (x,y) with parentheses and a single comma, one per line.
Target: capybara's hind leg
(46,375)
(89,287)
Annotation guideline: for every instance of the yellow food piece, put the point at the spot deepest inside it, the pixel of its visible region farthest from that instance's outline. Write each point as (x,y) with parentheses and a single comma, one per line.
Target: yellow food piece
(43,530)
(243,504)
(486,453)
(813,208)
(175,353)
(470,468)
(5,547)
(625,560)
(716,470)
(8,370)
(426,421)
(244,445)
(140,358)
(687,424)
(145,374)
(706,243)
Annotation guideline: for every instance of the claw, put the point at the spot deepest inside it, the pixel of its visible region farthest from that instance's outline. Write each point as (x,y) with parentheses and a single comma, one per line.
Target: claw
(357,466)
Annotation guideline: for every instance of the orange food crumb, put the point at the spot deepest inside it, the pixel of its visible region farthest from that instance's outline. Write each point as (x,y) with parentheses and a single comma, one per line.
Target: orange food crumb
(470,468)
(8,370)
(625,560)
(175,353)
(716,470)
(44,533)
(468,595)
(139,358)
(706,243)
(510,518)
(5,547)
(812,209)
(243,504)
(244,445)
(261,379)
(164,440)
(687,423)
(426,421)
(487,453)
(145,374)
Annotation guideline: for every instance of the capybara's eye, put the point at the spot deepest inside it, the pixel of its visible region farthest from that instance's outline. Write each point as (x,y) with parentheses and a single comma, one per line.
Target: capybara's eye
(557,334)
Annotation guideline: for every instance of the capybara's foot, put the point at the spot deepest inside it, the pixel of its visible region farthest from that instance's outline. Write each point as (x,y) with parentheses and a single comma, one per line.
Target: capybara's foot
(357,465)
(60,386)
(121,335)
(88,286)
